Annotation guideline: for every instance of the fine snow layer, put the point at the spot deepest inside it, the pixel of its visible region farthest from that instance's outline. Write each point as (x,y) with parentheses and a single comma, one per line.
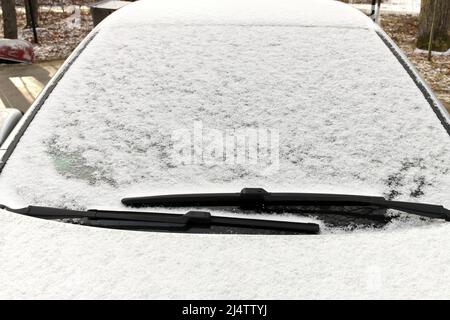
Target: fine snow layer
(52,260)
(348,117)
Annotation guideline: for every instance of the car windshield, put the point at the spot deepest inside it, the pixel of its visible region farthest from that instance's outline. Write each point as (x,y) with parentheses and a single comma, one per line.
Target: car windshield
(164,109)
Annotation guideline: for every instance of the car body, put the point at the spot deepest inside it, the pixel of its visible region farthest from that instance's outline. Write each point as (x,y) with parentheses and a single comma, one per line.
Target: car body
(344,110)
(9,117)
(16,50)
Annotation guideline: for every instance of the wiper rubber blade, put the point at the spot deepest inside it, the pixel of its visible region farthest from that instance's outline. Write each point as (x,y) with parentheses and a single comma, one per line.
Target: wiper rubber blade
(258,198)
(164,221)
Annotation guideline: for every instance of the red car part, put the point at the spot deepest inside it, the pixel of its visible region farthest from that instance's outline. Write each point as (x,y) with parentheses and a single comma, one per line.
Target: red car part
(16,50)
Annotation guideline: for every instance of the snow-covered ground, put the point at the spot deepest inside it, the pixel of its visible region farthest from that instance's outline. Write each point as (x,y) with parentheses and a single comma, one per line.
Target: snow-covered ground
(393,6)
(60,30)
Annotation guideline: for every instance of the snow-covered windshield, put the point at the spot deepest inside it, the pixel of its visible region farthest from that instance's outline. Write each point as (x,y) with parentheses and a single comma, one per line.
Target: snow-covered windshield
(188,108)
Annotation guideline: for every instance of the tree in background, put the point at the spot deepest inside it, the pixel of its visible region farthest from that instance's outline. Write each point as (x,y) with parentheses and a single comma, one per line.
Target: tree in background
(32,11)
(439,11)
(9,19)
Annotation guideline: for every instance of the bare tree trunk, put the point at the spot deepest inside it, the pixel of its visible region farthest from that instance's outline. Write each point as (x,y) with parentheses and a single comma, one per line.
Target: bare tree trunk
(9,19)
(35,7)
(441,39)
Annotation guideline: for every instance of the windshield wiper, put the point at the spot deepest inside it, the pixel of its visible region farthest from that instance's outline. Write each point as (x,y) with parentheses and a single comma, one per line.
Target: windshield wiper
(258,198)
(192,221)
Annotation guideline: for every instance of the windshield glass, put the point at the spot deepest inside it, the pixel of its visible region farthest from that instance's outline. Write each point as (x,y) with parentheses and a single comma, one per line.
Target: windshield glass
(157,109)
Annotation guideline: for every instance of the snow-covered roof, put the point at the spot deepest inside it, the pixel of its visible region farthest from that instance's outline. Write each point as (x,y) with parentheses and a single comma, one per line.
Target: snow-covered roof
(346,116)
(247,12)
(111,4)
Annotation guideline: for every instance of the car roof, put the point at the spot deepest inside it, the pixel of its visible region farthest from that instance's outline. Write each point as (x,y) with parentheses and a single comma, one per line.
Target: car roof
(247,12)
(346,115)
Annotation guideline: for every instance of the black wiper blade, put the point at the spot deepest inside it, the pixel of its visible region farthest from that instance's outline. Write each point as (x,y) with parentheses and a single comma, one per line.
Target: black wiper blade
(258,198)
(164,221)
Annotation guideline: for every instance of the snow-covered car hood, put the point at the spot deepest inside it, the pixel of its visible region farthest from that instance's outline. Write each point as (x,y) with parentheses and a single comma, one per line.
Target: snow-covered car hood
(44,259)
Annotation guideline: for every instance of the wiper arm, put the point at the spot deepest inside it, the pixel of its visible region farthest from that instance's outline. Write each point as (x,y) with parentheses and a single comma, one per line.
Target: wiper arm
(164,221)
(258,198)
